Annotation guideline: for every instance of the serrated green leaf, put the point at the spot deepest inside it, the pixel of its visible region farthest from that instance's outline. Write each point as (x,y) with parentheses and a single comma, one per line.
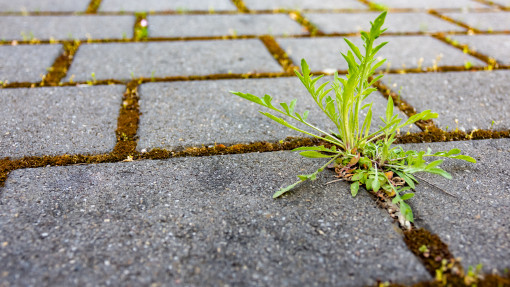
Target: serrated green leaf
(406,211)
(434,164)
(249,97)
(314,154)
(465,157)
(354,188)
(407,196)
(285,189)
(354,49)
(440,172)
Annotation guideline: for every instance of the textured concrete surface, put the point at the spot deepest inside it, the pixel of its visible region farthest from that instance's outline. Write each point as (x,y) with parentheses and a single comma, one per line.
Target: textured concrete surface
(400,52)
(302,4)
(55,121)
(43,6)
(495,46)
(222,25)
(474,99)
(165,59)
(174,5)
(208,222)
(66,27)
(26,63)
(474,222)
(487,21)
(396,22)
(431,4)
(183,114)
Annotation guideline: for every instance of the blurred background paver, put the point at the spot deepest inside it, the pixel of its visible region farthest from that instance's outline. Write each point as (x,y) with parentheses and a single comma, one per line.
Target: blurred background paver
(44,6)
(55,121)
(430,4)
(395,22)
(486,21)
(66,27)
(27,63)
(209,221)
(125,61)
(475,99)
(174,5)
(302,4)
(222,25)
(474,222)
(495,46)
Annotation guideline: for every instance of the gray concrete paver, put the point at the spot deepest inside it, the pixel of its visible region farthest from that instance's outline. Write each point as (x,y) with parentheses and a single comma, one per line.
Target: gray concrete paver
(484,21)
(157,5)
(123,61)
(27,63)
(302,4)
(44,6)
(475,99)
(495,46)
(323,54)
(184,114)
(474,223)
(431,4)
(58,120)
(222,25)
(395,22)
(195,221)
(66,27)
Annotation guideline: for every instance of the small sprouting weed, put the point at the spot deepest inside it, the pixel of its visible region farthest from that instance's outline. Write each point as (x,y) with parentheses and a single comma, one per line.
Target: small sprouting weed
(152,76)
(468,65)
(357,154)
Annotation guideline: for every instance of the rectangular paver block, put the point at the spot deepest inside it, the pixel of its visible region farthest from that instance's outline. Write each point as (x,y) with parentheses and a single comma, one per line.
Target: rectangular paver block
(495,46)
(66,27)
(222,25)
(44,6)
(484,21)
(463,100)
(431,4)
(124,61)
(323,53)
(395,22)
(56,121)
(207,221)
(302,4)
(474,219)
(27,63)
(158,5)
(184,114)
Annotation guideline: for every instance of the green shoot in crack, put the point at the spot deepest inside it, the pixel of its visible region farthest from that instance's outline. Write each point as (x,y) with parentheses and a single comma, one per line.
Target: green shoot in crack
(358,155)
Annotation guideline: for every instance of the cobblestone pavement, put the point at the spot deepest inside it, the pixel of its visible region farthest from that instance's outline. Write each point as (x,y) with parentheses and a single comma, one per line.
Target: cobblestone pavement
(125,161)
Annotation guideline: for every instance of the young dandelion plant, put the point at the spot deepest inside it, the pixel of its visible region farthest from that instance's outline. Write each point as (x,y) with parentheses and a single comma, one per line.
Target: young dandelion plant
(358,155)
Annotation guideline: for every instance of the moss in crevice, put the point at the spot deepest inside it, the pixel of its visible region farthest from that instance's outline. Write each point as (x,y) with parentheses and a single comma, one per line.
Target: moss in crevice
(491,62)
(241,7)
(93,6)
(141,28)
(309,26)
(127,123)
(453,21)
(278,53)
(442,136)
(58,70)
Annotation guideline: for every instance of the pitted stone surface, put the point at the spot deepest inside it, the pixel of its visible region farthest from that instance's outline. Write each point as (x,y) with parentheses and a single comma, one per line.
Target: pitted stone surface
(222,25)
(66,27)
(475,99)
(124,61)
(174,5)
(207,221)
(431,4)
(183,114)
(44,6)
(484,21)
(395,22)
(400,52)
(495,46)
(27,63)
(302,4)
(474,222)
(56,121)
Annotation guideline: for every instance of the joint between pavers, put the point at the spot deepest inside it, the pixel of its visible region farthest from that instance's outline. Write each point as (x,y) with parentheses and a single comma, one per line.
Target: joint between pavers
(301,20)
(127,122)
(59,69)
(241,6)
(490,3)
(278,53)
(93,6)
(453,21)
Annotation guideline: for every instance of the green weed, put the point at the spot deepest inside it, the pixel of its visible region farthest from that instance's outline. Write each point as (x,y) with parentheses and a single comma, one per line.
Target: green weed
(358,155)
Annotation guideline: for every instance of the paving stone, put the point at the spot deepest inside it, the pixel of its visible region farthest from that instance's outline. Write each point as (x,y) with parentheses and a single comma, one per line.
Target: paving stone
(504,3)
(198,222)
(124,61)
(175,5)
(474,222)
(431,4)
(401,51)
(221,25)
(44,6)
(302,4)
(486,21)
(27,63)
(184,114)
(66,27)
(58,120)
(395,22)
(495,46)
(475,99)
